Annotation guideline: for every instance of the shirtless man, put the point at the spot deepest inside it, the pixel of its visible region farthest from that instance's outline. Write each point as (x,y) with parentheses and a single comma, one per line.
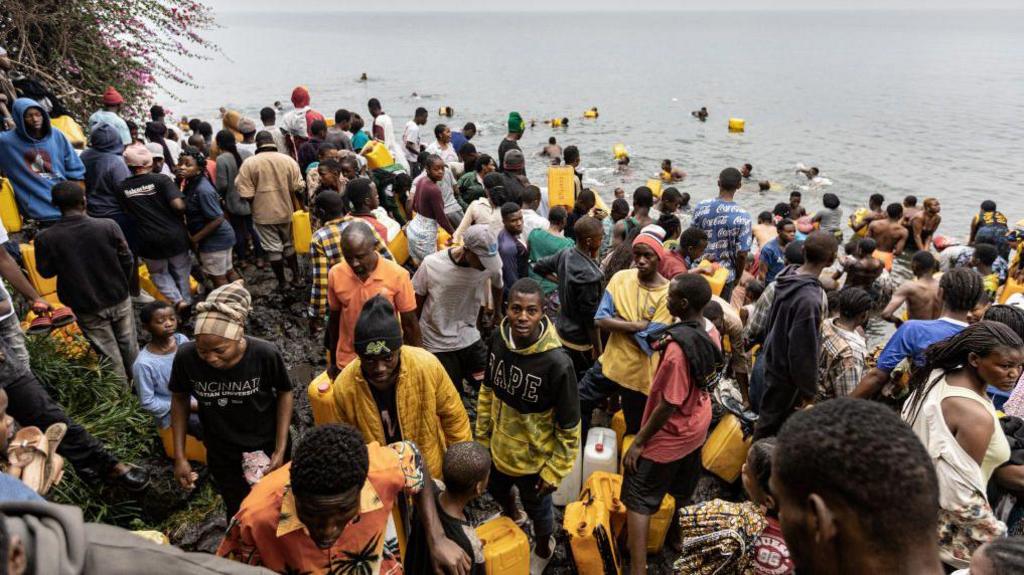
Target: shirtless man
(920,294)
(764,230)
(796,211)
(552,150)
(863,268)
(889,233)
(746,170)
(874,213)
(923,225)
(670,174)
(910,209)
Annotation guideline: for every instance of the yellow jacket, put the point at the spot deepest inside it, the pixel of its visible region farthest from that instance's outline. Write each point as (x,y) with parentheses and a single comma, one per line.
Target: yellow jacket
(430,411)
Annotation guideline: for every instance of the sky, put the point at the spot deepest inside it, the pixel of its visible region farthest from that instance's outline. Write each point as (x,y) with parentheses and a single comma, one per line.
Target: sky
(604,5)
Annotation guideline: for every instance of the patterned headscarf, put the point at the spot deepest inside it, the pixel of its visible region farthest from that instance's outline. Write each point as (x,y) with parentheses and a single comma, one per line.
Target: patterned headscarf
(224,312)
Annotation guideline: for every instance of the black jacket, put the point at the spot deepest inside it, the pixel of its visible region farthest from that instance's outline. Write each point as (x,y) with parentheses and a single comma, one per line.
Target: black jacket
(793,342)
(579,293)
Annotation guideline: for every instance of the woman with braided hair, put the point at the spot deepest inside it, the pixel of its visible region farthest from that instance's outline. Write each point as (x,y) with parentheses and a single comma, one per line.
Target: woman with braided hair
(210,234)
(954,419)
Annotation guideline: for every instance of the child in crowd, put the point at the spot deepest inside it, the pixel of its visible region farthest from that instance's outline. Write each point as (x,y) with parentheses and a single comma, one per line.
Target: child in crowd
(467,468)
(982,260)
(770,553)
(152,367)
(754,289)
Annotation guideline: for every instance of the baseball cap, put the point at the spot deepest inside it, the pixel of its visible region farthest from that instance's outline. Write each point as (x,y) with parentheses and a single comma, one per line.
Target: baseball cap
(480,240)
(247,126)
(514,160)
(137,156)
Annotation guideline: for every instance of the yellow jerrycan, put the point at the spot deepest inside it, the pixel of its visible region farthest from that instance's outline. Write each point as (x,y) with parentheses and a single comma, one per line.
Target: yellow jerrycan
(321,400)
(590,538)
(561,186)
(9,207)
(302,231)
(506,548)
(606,488)
(377,155)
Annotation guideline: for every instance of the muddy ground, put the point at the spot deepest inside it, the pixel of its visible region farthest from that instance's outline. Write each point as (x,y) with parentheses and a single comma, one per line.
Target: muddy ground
(280,316)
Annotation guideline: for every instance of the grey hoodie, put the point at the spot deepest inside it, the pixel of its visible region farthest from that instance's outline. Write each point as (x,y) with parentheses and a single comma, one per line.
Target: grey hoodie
(104,170)
(58,542)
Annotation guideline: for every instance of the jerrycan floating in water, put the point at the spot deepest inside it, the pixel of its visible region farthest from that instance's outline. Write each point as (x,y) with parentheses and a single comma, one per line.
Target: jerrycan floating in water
(736,124)
(606,488)
(302,231)
(620,151)
(377,155)
(506,548)
(591,113)
(446,111)
(590,538)
(569,489)
(600,452)
(559,122)
(321,400)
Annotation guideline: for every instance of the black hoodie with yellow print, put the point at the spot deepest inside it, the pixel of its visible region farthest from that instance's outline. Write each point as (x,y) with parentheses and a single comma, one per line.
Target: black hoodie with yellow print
(528,412)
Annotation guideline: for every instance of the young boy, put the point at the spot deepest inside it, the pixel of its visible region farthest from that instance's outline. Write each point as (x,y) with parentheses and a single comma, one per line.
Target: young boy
(665,454)
(982,260)
(863,268)
(467,468)
(528,414)
(515,263)
(152,367)
(921,295)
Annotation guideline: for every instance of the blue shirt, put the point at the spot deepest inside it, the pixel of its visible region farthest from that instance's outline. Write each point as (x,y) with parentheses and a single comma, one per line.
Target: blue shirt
(913,337)
(359,140)
(152,373)
(457,141)
(728,228)
(202,205)
(773,259)
(105,117)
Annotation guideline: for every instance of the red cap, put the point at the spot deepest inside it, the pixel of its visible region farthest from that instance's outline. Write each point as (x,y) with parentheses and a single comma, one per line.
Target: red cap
(599,448)
(112,97)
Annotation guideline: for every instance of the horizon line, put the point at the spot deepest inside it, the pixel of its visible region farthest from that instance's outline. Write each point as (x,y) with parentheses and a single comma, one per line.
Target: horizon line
(609,10)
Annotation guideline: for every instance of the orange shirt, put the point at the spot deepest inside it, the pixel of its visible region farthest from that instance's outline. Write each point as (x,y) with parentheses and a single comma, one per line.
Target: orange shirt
(267,532)
(347,293)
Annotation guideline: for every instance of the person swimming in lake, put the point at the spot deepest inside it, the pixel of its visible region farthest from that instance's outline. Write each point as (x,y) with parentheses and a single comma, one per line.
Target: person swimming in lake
(701,114)
(363,78)
(670,174)
(553,151)
(746,170)
(811,173)
(862,268)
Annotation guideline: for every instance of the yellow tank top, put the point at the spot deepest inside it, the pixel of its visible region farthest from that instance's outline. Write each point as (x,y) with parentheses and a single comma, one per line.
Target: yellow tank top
(998,451)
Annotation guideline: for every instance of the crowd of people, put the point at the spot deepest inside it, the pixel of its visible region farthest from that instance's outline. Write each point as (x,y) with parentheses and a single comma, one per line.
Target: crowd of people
(475,333)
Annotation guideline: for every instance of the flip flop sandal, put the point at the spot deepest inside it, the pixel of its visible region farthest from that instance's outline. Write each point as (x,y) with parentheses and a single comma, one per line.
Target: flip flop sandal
(54,462)
(62,317)
(27,454)
(41,325)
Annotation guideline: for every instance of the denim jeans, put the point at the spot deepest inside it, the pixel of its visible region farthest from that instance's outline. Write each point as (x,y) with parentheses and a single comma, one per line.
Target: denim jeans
(171,276)
(539,509)
(10,331)
(112,332)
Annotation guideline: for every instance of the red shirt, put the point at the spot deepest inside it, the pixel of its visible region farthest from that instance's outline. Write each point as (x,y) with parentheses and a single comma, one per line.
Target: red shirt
(687,427)
(771,555)
(672,265)
(380,228)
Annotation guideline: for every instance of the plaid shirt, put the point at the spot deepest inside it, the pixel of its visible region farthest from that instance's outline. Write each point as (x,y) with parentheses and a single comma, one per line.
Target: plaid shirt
(324,253)
(841,362)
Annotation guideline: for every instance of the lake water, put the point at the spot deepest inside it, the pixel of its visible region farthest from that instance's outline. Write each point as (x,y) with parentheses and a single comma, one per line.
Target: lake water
(924,103)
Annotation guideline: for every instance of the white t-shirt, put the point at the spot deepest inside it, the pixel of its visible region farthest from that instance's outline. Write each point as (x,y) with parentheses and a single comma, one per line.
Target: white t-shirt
(4,296)
(447,153)
(532,221)
(411,136)
(454,295)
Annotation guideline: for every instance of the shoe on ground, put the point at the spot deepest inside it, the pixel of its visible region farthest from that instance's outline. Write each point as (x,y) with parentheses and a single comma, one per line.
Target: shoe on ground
(135,479)
(537,563)
(143,298)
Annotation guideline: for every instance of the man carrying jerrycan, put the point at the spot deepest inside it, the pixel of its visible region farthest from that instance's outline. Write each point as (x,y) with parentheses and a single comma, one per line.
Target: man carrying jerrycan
(528,415)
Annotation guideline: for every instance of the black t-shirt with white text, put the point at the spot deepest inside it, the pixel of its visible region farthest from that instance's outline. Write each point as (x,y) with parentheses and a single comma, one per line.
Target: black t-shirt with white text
(237,406)
(147,199)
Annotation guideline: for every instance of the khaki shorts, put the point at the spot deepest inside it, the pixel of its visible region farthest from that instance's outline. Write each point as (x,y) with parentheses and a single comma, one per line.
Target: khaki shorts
(215,263)
(276,240)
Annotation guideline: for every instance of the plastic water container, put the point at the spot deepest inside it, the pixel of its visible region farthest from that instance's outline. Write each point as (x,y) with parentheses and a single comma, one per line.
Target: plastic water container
(1009,289)
(321,400)
(590,114)
(561,186)
(195,450)
(718,277)
(726,448)
(655,185)
(627,442)
(590,538)
(506,548)
(9,213)
(737,124)
(569,489)
(146,283)
(377,155)
(620,151)
(44,286)
(399,248)
(660,524)
(302,231)
(601,452)
(607,488)
(446,111)
(619,427)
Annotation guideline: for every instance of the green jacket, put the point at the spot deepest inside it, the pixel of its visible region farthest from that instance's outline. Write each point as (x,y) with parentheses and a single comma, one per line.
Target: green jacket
(528,412)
